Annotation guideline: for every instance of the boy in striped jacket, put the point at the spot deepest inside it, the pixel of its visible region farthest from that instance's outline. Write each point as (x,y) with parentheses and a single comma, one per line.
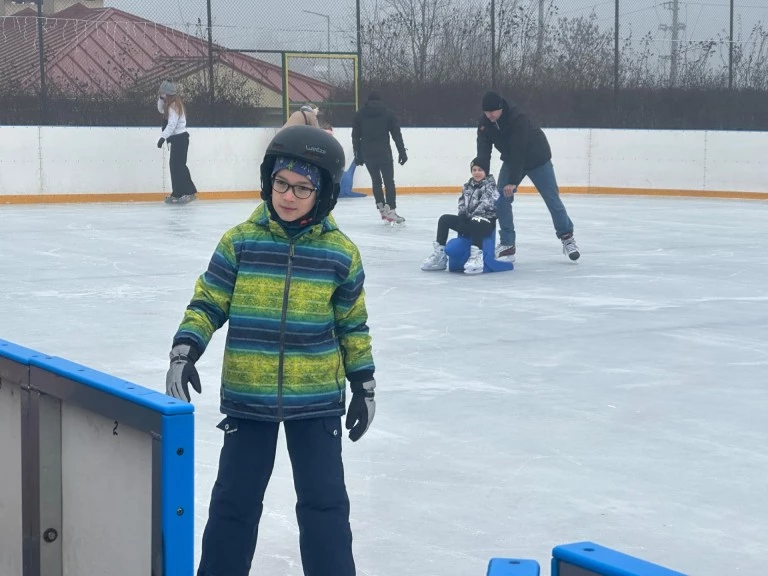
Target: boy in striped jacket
(290,284)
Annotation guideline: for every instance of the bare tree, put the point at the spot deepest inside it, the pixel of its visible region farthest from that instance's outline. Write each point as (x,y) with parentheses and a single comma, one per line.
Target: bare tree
(420,21)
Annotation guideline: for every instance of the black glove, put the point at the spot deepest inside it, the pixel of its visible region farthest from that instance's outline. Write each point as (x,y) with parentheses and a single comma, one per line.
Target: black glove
(362,409)
(359,160)
(160,142)
(402,158)
(182,372)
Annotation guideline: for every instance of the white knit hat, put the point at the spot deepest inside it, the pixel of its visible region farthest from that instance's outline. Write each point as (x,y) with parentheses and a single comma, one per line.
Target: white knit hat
(168,87)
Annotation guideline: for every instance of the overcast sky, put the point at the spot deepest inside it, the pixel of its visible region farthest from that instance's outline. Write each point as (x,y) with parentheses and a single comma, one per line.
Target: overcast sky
(272,24)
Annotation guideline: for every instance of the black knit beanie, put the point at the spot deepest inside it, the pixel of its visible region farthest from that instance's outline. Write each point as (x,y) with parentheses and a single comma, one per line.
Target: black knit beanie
(483,164)
(492,101)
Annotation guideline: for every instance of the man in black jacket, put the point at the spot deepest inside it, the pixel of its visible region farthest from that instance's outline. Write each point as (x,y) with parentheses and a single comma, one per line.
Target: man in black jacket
(371,128)
(524,152)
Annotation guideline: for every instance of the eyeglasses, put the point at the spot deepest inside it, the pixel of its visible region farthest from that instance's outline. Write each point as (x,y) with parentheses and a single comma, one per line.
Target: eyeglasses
(299,190)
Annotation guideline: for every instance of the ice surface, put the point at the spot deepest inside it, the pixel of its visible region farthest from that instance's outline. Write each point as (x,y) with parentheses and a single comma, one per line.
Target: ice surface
(622,399)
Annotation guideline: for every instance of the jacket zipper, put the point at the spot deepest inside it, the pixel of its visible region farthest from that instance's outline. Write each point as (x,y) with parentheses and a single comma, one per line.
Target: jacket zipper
(281,358)
(339,359)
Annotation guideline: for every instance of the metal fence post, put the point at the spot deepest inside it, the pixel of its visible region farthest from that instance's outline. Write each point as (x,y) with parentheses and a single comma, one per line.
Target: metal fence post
(493,43)
(41,52)
(211,93)
(616,58)
(730,51)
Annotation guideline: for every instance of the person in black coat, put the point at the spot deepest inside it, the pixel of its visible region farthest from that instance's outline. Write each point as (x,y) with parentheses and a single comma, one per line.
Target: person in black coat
(371,130)
(524,152)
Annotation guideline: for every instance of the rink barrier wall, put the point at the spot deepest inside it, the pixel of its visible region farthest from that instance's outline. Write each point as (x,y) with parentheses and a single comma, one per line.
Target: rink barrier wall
(42,164)
(97,475)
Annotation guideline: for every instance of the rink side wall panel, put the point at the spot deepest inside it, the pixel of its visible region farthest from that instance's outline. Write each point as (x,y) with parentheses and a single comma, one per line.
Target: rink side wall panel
(85,164)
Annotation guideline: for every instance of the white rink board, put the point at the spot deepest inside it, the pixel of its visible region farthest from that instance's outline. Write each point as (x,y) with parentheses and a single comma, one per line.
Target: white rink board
(224,159)
(648,159)
(569,149)
(100,160)
(20,160)
(105,524)
(10,480)
(113,161)
(737,161)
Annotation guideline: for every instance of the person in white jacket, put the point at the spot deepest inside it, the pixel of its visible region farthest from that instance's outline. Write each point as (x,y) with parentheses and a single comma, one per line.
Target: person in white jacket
(171,106)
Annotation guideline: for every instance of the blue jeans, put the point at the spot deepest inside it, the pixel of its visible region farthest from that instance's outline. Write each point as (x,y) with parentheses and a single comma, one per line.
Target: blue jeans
(245,467)
(543,179)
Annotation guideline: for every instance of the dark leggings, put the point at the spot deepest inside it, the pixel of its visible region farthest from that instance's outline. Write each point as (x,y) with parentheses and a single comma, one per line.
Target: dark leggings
(475,230)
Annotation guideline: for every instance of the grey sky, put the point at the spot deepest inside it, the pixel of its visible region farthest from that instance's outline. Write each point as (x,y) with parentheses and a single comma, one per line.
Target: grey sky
(283,25)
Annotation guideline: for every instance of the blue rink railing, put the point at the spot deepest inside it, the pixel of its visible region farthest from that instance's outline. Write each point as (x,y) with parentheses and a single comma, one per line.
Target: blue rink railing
(97,477)
(96,473)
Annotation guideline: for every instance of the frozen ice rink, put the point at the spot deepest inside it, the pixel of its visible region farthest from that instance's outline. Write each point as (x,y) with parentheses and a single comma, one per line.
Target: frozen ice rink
(623,399)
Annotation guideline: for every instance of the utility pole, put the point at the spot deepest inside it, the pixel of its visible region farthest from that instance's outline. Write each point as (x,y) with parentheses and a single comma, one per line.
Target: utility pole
(328,36)
(675,28)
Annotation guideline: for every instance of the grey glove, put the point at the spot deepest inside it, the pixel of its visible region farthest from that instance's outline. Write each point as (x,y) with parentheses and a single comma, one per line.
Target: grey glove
(362,409)
(182,372)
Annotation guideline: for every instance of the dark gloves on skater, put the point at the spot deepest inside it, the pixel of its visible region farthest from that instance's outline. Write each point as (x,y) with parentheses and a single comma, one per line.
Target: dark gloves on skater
(160,142)
(402,158)
(182,372)
(359,160)
(362,409)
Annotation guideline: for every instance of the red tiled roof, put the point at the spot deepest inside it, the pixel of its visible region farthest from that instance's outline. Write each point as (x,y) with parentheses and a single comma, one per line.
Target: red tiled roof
(105,50)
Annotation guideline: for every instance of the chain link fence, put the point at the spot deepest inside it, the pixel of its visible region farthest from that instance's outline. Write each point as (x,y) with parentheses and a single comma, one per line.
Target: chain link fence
(701,64)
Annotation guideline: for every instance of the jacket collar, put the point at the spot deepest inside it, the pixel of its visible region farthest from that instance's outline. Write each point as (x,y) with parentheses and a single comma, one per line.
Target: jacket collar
(261,217)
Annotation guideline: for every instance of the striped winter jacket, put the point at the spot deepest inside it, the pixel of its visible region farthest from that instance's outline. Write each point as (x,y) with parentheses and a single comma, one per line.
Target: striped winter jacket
(297,319)
(479,198)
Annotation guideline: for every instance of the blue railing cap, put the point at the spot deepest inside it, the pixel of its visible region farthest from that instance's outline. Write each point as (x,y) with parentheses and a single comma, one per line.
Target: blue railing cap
(146,397)
(17,353)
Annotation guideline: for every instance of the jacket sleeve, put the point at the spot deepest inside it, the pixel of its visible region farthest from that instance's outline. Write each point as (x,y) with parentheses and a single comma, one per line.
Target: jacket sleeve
(394,128)
(463,201)
(351,323)
(170,126)
(356,134)
(488,198)
(518,146)
(209,309)
(484,143)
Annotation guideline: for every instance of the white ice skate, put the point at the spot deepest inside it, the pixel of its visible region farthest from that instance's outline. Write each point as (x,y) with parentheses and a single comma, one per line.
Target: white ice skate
(392,217)
(383,209)
(474,265)
(569,247)
(437,260)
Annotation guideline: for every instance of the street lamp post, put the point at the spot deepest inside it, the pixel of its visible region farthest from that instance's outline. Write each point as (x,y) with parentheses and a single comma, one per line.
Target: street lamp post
(328,28)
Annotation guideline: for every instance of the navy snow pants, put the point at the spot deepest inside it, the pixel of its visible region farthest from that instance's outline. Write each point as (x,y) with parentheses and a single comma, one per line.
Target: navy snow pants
(322,507)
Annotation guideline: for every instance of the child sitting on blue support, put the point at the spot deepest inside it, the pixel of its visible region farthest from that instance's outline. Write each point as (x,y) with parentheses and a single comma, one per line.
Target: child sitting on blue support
(476,221)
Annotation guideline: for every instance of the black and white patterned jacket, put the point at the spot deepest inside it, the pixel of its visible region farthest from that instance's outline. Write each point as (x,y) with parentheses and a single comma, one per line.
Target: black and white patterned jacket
(479,198)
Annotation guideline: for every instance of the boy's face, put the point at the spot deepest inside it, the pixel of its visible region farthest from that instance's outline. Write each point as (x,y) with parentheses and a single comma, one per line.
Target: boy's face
(287,204)
(493,115)
(477,173)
